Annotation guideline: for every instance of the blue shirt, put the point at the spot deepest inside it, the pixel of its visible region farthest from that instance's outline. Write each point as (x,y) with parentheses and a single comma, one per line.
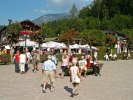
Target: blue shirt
(49,65)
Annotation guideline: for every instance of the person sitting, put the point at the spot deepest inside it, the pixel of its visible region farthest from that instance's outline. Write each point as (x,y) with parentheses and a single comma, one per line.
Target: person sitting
(110,56)
(114,57)
(128,56)
(83,65)
(97,70)
(88,61)
(106,57)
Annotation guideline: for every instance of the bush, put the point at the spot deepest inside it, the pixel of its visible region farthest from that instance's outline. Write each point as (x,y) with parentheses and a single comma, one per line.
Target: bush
(5,58)
(101,52)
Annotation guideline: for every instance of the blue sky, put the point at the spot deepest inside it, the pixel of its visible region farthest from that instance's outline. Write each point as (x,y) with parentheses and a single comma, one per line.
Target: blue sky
(19,10)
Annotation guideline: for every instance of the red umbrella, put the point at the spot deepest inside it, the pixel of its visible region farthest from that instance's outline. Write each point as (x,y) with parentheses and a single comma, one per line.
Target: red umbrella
(25,32)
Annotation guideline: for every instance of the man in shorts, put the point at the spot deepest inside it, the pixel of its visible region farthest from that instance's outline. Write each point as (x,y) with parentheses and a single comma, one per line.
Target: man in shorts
(83,65)
(48,73)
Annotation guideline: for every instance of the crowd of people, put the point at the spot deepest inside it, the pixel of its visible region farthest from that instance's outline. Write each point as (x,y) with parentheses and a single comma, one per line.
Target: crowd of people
(23,58)
(70,64)
(110,56)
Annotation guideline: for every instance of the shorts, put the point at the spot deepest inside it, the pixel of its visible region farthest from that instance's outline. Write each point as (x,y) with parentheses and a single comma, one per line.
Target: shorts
(63,68)
(83,68)
(37,62)
(49,76)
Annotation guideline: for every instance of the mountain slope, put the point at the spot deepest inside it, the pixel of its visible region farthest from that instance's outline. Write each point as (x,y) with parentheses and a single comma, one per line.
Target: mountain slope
(50,17)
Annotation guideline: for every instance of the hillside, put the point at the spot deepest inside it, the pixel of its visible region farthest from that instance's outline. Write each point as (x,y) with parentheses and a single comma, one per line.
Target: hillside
(50,17)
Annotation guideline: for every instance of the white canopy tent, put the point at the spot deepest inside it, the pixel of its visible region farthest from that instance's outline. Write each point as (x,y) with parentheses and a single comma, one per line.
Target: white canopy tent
(94,48)
(62,45)
(75,46)
(44,45)
(52,44)
(28,43)
(85,46)
(7,47)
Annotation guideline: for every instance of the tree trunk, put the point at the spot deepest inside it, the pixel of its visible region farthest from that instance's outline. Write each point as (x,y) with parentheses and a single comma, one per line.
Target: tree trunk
(11,53)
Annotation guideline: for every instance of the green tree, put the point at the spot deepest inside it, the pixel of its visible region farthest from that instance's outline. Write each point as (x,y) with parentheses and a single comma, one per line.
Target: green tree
(38,37)
(129,36)
(85,12)
(96,8)
(92,23)
(13,33)
(73,12)
(93,37)
(68,37)
(120,22)
(110,41)
(105,24)
(77,24)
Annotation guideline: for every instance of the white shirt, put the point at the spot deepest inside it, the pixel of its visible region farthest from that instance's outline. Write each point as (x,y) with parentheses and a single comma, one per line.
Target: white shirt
(74,74)
(28,55)
(82,63)
(22,58)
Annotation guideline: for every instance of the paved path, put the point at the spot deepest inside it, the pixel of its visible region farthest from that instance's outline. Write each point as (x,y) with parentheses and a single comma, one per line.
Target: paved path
(116,83)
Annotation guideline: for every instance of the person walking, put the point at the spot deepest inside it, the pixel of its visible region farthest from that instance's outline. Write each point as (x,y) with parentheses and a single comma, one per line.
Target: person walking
(29,58)
(16,60)
(35,60)
(54,58)
(75,78)
(48,73)
(22,62)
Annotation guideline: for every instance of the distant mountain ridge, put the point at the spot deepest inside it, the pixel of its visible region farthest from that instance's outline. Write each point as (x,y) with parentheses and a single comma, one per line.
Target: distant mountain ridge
(50,17)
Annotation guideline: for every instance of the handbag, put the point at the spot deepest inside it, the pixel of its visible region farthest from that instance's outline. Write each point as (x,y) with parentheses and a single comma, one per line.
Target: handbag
(77,79)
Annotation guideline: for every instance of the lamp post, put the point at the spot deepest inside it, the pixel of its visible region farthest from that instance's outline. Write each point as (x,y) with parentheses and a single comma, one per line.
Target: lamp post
(25,36)
(25,33)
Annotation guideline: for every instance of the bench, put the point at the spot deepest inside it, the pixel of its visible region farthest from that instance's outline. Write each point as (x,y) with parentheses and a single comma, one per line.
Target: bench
(89,70)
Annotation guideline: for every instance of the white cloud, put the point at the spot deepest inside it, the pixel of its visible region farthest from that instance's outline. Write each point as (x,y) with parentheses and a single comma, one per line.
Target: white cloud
(57,3)
(41,11)
(58,6)
(66,3)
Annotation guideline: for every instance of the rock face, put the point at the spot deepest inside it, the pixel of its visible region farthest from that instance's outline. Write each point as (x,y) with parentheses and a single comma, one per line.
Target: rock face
(50,17)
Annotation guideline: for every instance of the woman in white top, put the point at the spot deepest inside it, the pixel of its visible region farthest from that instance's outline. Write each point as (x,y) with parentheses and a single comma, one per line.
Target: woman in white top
(22,62)
(75,78)
(65,65)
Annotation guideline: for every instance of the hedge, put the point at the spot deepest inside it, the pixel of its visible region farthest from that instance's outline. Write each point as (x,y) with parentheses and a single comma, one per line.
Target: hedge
(5,58)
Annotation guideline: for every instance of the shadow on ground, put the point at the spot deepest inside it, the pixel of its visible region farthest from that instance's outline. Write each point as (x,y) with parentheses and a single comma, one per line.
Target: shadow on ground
(69,90)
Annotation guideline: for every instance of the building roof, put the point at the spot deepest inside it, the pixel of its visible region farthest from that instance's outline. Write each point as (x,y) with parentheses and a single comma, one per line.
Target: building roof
(30,23)
(116,32)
